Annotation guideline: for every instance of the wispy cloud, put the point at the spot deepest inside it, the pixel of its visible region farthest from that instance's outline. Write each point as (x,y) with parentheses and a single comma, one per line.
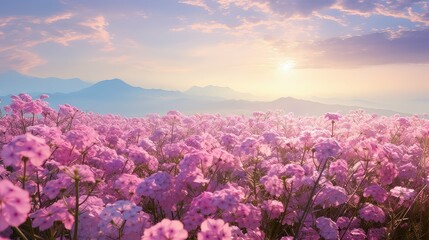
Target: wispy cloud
(59,17)
(20,36)
(388,47)
(261,6)
(291,8)
(412,10)
(196,3)
(209,27)
(100,33)
(19,60)
(4,21)
(340,21)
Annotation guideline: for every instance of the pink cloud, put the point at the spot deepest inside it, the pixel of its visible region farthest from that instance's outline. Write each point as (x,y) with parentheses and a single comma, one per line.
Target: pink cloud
(196,3)
(67,36)
(341,22)
(18,37)
(179,29)
(59,17)
(209,27)
(4,21)
(379,48)
(246,4)
(100,33)
(394,8)
(19,60)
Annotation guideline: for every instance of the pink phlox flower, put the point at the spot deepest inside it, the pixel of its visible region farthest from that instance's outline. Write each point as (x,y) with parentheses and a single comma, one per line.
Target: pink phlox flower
(246,215)
(344,222)
(82,173)
(139,156)
(339,170)
(225,161)
(166,230)
(44,218)
(407,171)
(82,137)
(249,146)
(229,140)
(292,171)
(52,135)
(228,198)
(196,159)
(175,150)
(26,145)
(403,194)
(333,116)
(155,186)
(123,214)
(214,229)
(127,184)
(66,110)
(372,213)
(54,187)
(273,208)
(14,205)
(326,148)
(393,152)
(328,229)
(378,193)
(388,172)
(273,185)
(355,234)
(148,145)
(330,196)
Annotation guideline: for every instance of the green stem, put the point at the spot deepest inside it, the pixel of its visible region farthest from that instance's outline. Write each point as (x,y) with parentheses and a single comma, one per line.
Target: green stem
(20,233)
(76,212)
(24,177)
(310,200)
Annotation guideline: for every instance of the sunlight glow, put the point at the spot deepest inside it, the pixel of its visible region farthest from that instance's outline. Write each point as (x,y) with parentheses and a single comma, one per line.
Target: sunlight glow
(287,66)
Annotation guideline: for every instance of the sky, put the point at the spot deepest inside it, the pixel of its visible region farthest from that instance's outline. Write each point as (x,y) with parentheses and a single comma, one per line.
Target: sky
(367,52)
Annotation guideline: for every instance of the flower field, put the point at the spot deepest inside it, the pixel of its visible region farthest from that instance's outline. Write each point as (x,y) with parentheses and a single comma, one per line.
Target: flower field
(67,174)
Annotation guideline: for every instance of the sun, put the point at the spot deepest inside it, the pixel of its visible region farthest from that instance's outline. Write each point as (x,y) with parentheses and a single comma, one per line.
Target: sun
(286,66)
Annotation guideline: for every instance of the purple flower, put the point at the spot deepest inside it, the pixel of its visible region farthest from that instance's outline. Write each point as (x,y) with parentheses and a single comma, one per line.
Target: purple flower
(214,229)
(27,145)
(331,196)
(82,173)
(326,148)
(327,228)
(388,173)
(372,213)
(14,205)
(273,208)
(378,193)
(155,186)
(166,230)
(273,185)
(403,194)
(333,116)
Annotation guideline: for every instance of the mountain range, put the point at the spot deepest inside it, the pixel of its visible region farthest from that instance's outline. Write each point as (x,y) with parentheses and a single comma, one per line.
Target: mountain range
(117,97)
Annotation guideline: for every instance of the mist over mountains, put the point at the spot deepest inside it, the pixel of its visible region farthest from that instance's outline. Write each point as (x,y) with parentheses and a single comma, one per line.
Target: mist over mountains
(12,82)
(117,97)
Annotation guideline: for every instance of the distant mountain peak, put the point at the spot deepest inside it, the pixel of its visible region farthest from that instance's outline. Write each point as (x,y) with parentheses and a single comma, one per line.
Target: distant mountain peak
(13,82)
(111,87)
(112,82)
(12,73)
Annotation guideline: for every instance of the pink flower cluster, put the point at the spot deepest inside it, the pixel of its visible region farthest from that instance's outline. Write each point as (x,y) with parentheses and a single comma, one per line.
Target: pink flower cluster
(14,205)
(66,174)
